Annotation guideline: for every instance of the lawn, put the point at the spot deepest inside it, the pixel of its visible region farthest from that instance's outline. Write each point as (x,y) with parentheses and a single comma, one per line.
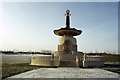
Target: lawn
(112,58)
(9,69)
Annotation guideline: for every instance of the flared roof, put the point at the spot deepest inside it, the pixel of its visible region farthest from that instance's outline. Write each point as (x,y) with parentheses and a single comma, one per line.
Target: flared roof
(67,31)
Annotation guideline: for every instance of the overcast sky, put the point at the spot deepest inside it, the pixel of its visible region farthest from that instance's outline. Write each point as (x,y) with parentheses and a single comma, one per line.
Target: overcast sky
(29,25)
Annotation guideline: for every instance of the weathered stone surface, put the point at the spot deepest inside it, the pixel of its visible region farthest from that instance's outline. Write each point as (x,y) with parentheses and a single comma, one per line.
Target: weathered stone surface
(67,44)
(67,73)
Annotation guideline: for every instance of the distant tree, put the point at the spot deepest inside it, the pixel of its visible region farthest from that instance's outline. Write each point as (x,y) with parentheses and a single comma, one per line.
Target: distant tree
(46,51)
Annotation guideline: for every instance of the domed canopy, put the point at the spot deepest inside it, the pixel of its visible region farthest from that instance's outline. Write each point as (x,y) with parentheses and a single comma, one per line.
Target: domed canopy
(67,31)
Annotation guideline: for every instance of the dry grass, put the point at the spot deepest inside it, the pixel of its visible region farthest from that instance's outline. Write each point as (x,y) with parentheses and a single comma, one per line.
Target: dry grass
(112,58)
(17,68)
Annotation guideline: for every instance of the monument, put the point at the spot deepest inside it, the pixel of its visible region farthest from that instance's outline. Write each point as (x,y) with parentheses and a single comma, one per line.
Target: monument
(67,46)
(67,54)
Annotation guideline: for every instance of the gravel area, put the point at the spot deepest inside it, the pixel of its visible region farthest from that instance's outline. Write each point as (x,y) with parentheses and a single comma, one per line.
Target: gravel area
(67,73)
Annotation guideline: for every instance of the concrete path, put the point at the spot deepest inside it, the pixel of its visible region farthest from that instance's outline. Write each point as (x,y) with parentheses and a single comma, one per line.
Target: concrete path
(67,73)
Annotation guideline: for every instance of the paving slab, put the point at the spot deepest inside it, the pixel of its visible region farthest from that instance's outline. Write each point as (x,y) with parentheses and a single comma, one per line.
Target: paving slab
(67,73)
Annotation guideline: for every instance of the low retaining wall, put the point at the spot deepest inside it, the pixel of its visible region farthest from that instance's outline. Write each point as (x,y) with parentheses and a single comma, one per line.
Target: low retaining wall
(93,62)
(50,61)
(45,60)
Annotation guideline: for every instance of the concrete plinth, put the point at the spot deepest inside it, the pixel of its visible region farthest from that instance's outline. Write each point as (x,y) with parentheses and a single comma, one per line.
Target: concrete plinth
(68,73)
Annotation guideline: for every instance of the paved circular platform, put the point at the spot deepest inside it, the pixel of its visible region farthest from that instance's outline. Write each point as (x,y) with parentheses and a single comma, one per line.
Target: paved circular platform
(67,73)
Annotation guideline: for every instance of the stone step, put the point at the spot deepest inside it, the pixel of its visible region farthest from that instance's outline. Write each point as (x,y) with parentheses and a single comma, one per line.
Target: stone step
(68,64)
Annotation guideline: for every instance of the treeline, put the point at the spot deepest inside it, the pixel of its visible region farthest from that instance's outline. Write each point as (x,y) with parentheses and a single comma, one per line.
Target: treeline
(48,52)
(101,54)
(22,52)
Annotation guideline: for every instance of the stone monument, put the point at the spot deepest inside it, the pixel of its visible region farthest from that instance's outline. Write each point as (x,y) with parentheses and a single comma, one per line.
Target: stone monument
(67,46)
(67,54)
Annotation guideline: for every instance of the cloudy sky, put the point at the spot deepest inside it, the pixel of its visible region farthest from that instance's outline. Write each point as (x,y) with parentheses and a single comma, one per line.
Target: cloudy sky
(29,25)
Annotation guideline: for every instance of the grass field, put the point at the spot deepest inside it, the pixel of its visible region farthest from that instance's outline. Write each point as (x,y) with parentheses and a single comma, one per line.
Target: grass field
(13,69)
(112,58)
